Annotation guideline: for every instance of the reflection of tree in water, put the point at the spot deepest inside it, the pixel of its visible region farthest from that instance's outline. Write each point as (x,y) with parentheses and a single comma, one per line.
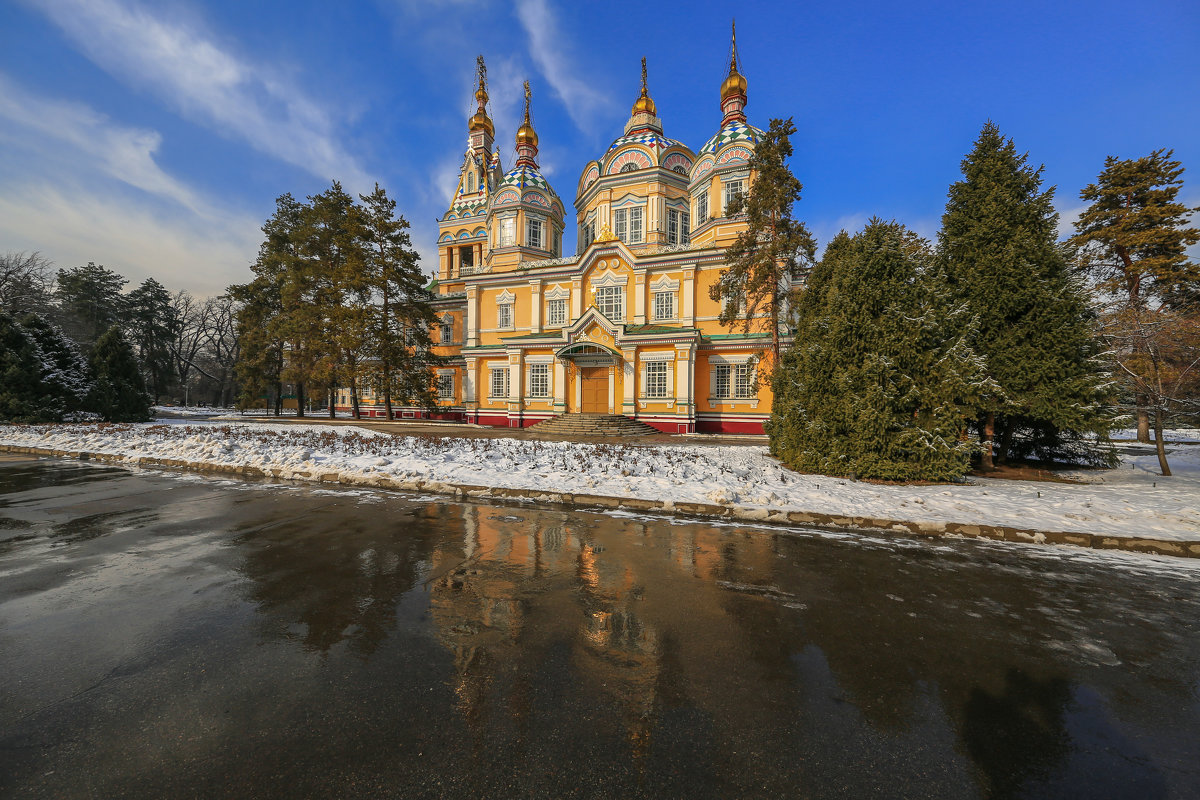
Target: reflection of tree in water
(1018,734)
(336,573)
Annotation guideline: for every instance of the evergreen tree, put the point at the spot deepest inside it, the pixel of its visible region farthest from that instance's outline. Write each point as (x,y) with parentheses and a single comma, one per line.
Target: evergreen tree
(21,391)
(882,378)
(774,250)
(152,328)
(394,273)
(90,301)
(999,256)
(65,380)
(118,394)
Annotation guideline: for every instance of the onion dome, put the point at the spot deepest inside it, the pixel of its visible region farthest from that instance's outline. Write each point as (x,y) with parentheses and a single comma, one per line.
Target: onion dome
(481,121)
(644,104)
(733,90)
(526,135)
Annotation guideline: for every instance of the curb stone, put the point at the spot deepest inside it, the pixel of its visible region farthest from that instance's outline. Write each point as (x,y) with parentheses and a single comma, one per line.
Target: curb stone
(812,519)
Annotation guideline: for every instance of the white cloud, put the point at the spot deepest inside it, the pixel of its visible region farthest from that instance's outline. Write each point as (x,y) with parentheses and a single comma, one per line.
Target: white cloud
(209,84)
(583,102)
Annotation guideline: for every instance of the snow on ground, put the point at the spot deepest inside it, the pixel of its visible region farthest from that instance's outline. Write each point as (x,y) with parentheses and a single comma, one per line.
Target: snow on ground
(1130,501)
(1169,436)
(193,411)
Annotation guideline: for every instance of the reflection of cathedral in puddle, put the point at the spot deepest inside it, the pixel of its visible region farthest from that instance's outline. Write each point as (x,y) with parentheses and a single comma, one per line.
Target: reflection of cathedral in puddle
(512,590)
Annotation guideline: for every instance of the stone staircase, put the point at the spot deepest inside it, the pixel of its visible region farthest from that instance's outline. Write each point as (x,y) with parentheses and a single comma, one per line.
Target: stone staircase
(593,425)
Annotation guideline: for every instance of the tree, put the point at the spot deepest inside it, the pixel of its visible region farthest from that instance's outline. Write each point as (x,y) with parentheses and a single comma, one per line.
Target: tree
(774,250)
(153,328)
(999,256)
(25,280)
(65,379)
(21,392)
(90,301)
(394,274)
(1133,240)
(118,394)
(881,380)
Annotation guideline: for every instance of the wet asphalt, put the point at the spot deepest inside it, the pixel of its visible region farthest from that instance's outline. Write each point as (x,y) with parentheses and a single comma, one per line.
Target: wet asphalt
(168,635)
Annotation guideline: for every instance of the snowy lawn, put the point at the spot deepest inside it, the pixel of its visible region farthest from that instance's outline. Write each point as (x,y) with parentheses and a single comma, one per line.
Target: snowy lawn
(1130,501)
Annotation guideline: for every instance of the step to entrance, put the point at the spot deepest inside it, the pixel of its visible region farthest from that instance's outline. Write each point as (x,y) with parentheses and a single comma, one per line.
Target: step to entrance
(578,424)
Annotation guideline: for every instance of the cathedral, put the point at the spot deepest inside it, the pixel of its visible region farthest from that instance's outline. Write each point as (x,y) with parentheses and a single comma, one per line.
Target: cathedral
(623,326)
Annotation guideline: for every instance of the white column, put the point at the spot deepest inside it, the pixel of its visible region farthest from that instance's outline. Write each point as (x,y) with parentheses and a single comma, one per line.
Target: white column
(471,320)
(469,382)
(560,386)
(629,400)
(516,390)
(612,389)
(535,311)
(639,298)
(576,299)
(689,296)
(685,373)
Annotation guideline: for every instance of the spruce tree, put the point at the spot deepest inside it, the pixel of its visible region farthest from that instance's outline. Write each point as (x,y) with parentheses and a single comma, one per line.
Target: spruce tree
(90,301)
(774,250)
(21,393)
(998,255)
(152,327)
(882,379)
(65,379)
(118,393)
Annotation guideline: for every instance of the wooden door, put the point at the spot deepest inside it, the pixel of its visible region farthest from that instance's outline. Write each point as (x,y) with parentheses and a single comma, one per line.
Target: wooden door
(595,390)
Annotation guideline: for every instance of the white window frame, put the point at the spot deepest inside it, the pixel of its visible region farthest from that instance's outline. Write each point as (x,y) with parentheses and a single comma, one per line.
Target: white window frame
(702,206)
(498,380)
(539,381)
(730,188)
(508,231)
(656,380)
(663,305)
(556,311)
(504,316)
(612,298)
(629,224)
(535,233)
(733,381)
(445,384)
(678,227)
(447,331)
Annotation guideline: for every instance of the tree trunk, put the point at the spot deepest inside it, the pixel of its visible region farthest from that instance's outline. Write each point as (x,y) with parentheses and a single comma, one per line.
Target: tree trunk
(1163,466)
(278,398)
(332,397)
(299,399)
(1143,420)
(1006,433)
(355,410)
(988,435)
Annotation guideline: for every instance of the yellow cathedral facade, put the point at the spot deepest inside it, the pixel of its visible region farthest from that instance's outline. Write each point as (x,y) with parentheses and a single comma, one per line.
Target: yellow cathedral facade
(625,326)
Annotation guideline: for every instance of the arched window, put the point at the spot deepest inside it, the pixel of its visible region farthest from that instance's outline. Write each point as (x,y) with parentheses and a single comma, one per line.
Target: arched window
(630,167)
(679,168)
(470,181)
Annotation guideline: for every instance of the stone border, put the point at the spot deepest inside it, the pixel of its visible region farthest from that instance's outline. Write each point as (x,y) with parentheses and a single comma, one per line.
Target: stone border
(810,519)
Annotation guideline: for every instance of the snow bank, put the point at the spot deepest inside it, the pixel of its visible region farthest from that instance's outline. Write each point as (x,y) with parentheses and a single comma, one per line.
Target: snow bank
(1132,501)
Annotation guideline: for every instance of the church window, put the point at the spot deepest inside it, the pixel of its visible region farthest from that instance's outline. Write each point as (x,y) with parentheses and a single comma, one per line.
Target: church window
(664,305)
(702,206)
(445,385)
(556,312)
(470,181)
(508,232)
(656,379)
(504,315)
(677,227)
(499,383)
(447,331)
(628,223)
(732,381)
(629,167)
(732,189)
(539,380)
(679,168)
(533,233)
(466,257)
(610,301)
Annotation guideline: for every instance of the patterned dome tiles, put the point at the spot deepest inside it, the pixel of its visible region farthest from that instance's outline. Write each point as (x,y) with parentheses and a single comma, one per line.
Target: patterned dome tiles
(733,132)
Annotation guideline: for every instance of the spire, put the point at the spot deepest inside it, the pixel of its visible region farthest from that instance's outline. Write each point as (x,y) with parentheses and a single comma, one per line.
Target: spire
(527,138)
(733,90)
(481,121)
(644,105)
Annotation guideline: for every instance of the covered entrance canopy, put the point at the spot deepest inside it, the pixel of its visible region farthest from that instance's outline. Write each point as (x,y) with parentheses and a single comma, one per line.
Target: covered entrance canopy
(592,365)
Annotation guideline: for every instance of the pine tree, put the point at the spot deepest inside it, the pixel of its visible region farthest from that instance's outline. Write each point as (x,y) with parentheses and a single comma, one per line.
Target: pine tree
(21,392)
(393,269)
(1133,241)
(65,380)
(881,379)
(999,256)
(152,328)
(118,394)
(90,301)
(774,250)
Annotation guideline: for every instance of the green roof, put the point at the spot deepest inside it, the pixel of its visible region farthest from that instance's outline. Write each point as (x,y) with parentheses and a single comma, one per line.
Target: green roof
(542,335)
(646,330)
(727,336)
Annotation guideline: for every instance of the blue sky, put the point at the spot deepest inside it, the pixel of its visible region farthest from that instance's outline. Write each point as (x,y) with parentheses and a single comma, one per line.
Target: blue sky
(153,137)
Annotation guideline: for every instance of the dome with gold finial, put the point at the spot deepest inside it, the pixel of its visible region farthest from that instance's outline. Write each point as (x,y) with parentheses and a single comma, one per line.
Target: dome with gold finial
(480,121)
(644,104)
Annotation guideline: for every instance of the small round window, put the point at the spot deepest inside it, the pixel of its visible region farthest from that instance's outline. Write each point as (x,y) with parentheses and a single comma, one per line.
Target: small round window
(630,167)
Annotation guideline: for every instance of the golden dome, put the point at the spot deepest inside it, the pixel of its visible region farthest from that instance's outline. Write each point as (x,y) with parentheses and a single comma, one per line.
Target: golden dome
(734,84)
(481,120)
(526,134)
(644,105)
